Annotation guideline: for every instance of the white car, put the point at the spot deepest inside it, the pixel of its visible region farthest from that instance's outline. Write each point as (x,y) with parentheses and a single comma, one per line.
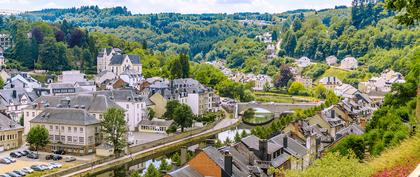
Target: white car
(27,170)
(56,165)
(11,159)
(46,167)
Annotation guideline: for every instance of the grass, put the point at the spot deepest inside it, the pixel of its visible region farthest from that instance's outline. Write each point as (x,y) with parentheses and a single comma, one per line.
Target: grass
(281,98)
(337,72)
(406,153)
(42,173)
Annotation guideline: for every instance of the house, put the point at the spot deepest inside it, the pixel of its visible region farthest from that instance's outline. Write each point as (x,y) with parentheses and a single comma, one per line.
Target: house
(382,83)
(13,101)
(266,38)
(261,81)
(154,125)
(10,134)
(2,60)
(104,75)
(72,77)
(158,104)
(61,88)
(351,129)
(303,62)
(85,86)
(5,41)
(93,103)
(346,91)
(22,80)
(210,161)
(73,130)
(133,104)
(132,77)
(330,82)
(349,63)
(306,81)
(331,60)
(114,61)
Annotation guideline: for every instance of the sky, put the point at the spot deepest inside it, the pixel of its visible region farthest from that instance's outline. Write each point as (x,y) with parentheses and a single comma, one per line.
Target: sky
(179,6)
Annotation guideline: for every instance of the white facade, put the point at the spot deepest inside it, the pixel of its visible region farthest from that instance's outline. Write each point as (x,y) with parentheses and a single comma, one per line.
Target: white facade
(331,60)
(131,77)
(103,76)
(303,62)
(72,76)
(349,63)
(135,112)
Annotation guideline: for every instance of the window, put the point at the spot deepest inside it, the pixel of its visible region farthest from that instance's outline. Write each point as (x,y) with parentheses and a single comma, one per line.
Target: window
(127,106)
(27,114)
(75,139)
(81,140)
(69,129)
(56,128)
(62,128)
(90,139)
(51,137)
(69,140)
(75,129)
(63,138)
(51,127)
(57,137)
(81,130)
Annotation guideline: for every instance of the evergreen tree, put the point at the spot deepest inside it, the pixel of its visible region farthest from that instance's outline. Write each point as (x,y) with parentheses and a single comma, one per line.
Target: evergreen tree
(164,166)
(289,43)
(152,171)
(185,65)
(274,35)
(237,137)
(176,70)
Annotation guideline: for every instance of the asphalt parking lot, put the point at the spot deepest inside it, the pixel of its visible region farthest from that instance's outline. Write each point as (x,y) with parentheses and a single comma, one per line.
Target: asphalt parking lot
(27,162)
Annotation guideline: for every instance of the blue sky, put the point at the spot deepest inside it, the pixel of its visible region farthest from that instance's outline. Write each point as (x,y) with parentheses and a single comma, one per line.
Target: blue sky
(180,6)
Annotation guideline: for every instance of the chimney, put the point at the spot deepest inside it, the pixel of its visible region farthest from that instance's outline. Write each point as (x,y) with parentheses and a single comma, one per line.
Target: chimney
(14,94)
(263,149)
(228,163)
(332,111)
(285,141)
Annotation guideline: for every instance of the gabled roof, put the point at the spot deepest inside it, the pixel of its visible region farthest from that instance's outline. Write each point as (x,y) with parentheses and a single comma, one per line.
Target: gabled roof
(185,171)
(8,124)
(67,116)
(118,59)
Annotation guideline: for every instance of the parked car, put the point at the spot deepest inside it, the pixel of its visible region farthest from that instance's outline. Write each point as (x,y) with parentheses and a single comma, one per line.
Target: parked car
(4,175)
(15,155)
(56,165)
(27,151)
(61,152)
(27,170)
(19,172)
(11,159)
(46,167)
(32,156)
(13,174)
(19,153)
(37,168)
(69,159)
(24,153)
(5,161)
(53,157)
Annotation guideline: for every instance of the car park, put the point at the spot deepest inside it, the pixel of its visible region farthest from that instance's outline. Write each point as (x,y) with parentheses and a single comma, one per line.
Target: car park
(37,168)
(27,170)
(13,174)
(11,159)
(60,152)
(15,155)
(4,175)
(32,156)
(56,165)
(19,172)
(69,159)
(5,161)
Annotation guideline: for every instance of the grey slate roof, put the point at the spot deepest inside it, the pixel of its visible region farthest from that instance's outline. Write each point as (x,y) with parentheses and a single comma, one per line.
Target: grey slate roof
(67,116)
(92,103)
(165,123)
(8,124)
(185,171)
(351,129)
(218,157)
(6,96)
(118,59)
(293,147)
(279,160)
(121,95)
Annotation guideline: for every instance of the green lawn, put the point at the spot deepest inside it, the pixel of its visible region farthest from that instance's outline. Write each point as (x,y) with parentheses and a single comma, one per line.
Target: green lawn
(280,98)
(338,73)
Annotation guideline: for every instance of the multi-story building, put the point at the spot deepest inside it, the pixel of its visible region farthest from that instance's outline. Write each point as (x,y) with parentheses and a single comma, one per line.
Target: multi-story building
(5,41)
(73,130)
(94,104)
(22,80)
(113,60)
(10,133)
(13,101)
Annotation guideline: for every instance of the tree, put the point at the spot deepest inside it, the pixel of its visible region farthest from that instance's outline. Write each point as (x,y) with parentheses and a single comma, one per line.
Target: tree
(351,143)
(150,113)
(176,69)
(297,88)
(170,109)
(135,174)
(289,43)
(152,171)
(37,34)
(244,134)
(237,137)
(283,77)
(176,159)
(164,166)
(185,65)
(218,143)
(114,128)
(183,116)
(409,10)
(320,91)
(274,35)
(38,136)
(227,141)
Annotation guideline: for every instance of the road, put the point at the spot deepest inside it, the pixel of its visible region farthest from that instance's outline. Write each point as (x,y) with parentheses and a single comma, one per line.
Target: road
(222,124)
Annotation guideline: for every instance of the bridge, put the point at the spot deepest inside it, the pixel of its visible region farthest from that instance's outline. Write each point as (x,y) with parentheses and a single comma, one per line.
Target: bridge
(148,150)
(276,108)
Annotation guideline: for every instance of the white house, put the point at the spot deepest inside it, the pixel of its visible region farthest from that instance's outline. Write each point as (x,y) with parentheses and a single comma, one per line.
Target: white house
(113,60)
(382,83)
(346,91)
(330,82)
(349,63)
(13,101)
(22,80)
(331,60)
(87,86)
(303,62)
(72,76)
(261,81)
(132,77)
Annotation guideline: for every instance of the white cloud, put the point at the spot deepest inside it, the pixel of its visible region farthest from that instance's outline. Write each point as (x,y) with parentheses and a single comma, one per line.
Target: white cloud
(180,6)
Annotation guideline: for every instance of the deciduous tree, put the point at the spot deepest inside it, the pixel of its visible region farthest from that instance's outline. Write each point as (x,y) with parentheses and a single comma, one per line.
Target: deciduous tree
(114,129)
